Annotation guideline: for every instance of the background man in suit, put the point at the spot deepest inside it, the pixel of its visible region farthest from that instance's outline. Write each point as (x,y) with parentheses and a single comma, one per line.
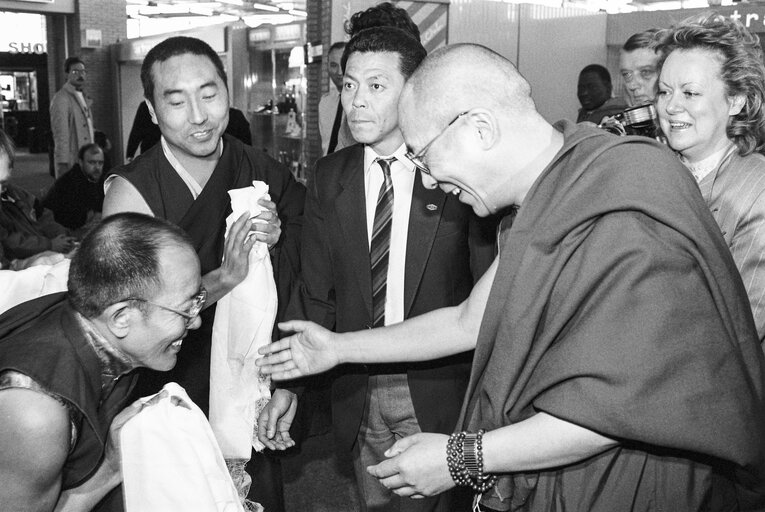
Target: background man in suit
(427,264)
(333,127)
(70,117)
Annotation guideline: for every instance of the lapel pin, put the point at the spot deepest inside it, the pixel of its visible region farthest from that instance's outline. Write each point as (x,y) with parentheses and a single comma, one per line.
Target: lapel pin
(432,207)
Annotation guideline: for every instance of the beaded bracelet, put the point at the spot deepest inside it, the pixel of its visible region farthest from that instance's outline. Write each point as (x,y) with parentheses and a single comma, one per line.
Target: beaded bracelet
(464,457)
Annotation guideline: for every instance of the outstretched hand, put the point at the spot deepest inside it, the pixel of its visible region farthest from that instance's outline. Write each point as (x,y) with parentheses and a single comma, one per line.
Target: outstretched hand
(306,352)
(416,466)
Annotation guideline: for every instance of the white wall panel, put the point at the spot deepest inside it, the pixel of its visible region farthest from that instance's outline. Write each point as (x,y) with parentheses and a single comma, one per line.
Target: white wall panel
(555,44)
(492,24)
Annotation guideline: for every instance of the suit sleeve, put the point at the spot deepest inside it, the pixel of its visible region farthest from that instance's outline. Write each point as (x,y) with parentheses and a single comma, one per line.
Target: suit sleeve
(59,123)
(289,196)
(314,298)
(748,250)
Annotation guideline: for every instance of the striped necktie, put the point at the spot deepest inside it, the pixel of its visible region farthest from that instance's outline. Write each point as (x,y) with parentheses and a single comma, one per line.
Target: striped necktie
(380,246)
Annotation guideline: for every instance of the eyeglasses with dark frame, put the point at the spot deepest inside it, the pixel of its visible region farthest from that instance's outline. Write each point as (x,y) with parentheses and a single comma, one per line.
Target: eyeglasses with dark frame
(197,303)
(417,158)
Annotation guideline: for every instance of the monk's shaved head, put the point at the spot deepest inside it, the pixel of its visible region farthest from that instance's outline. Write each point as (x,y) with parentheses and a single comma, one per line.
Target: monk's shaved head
(464,76)
(468,119)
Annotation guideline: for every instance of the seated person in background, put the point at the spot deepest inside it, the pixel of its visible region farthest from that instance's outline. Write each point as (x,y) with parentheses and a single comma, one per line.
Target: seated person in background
(77,197)
(639,66)
(594,93)
(26,228)
(105,144)
(59,403)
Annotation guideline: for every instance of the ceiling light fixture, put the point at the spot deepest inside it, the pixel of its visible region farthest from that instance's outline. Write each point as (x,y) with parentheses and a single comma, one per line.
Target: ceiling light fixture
(266,7)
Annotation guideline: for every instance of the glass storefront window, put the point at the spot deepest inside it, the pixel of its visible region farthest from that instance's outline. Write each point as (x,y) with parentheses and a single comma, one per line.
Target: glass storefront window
(19,91)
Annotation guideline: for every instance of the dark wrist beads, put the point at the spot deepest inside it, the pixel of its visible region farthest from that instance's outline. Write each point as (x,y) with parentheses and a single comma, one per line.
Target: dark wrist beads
(464,456)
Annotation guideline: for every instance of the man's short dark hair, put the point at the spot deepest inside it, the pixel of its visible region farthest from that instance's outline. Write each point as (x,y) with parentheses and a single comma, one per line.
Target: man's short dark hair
(119,259)
(172,47)
(388,40)
(71,61)
(599,70)
(87,148)
(382,15)
(647,39)
(340,45)
(7,147)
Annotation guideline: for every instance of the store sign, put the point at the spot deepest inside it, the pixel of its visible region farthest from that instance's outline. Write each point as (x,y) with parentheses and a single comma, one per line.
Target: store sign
(751,20)
(18,47)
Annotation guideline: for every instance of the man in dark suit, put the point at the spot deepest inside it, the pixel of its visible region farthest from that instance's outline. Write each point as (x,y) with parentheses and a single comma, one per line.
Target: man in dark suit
(427,265)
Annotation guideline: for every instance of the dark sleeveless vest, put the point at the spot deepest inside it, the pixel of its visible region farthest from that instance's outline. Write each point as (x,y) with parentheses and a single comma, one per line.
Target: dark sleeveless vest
(42,339)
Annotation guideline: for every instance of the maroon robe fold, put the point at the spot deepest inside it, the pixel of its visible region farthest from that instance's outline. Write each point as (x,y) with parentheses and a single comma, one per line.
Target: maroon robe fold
(617,306)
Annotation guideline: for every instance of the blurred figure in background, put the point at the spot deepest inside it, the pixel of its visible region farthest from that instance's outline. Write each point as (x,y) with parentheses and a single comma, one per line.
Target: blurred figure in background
(710,106)
(71,119)
(639,67)
(145,133)
(333,127)
(594,92)
(77,197)
(26,228)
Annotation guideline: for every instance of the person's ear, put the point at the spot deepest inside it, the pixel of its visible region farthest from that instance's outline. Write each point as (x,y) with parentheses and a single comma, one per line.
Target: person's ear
(485,125)
(151,112)
(119,318)
(736,104)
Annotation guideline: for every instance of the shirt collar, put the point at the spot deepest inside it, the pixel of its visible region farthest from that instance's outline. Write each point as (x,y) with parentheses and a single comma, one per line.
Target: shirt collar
(370,155)
(703,167)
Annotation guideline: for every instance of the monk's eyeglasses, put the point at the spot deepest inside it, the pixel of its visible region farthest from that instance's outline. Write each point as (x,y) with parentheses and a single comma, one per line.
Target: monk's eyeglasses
(197,303)
(417,159)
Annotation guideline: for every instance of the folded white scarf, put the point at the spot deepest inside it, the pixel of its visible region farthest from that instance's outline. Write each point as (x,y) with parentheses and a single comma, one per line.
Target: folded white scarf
(171,461)
(244,320)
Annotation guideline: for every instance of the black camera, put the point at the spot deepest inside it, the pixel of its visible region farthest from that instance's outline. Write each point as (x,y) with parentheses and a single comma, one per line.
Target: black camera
(637,120)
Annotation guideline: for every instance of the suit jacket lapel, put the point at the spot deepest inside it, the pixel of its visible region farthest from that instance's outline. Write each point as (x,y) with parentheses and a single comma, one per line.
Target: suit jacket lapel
(424,217)
(350,205)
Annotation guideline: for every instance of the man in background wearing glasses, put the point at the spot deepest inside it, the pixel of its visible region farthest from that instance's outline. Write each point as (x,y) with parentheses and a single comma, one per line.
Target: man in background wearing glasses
(71,119)
(67,362)
(361,194)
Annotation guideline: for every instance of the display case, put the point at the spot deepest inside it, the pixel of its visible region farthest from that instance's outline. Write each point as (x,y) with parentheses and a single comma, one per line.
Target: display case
(277,91)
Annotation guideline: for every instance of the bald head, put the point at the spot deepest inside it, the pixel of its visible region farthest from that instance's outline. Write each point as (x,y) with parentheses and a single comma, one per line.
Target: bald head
(464,76)
(467,117)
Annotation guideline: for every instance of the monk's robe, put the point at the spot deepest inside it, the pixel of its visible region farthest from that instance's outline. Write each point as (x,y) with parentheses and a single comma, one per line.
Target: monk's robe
(617,307)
